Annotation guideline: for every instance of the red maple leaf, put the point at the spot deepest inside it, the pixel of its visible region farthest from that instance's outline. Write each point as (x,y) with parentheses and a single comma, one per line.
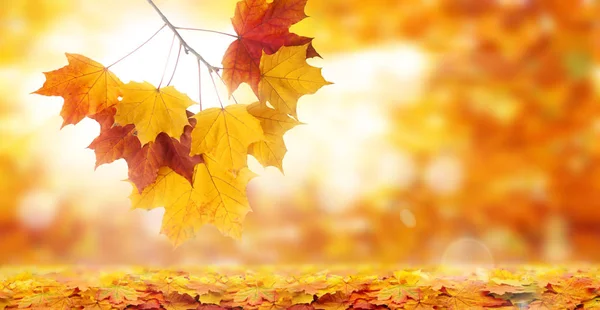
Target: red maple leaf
(261,26)
(118,142)
(106,118)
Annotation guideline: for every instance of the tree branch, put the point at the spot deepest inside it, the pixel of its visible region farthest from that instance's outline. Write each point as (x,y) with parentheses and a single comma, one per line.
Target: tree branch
(186,46)
(199,84)
(208,30)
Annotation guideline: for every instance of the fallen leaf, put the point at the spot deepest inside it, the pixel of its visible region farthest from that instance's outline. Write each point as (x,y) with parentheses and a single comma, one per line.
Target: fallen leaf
(117,293)
(48,298)
(175,301)
(467,295)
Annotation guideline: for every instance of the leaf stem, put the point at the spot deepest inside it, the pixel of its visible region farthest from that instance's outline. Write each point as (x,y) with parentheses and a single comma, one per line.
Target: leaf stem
(137,48)
(176,63)
(216,90)
(208,30)
(199,84)
(187,47)
(167,62)
(223,81)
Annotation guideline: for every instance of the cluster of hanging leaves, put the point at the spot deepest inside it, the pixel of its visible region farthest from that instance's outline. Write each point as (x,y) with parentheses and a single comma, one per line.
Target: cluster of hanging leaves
(309,287)
(195,166)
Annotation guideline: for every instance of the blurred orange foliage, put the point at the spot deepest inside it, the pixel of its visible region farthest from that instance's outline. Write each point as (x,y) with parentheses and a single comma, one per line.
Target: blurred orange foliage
(501,141)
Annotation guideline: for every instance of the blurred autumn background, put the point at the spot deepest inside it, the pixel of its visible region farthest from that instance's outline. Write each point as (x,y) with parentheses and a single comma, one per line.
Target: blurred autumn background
(457,131)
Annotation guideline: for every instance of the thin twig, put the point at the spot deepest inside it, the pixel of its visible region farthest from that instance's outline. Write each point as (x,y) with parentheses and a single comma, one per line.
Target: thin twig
(208,30)
(137,48)
(223,81)
(176,63)
(167,62)
(216,90)
(199,84)
(187,47)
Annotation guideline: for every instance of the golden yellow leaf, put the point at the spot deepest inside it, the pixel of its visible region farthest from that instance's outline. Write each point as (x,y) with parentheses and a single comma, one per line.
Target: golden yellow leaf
(218,197)
(225,135)
(211,298)
(153,110)
(271,150)
(286,76)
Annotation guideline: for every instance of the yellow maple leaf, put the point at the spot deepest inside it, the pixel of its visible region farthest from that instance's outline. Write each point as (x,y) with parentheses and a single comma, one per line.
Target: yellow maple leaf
(217,197)
(271,150)
(286,76)
(153,110)
(86,86)
(225,134)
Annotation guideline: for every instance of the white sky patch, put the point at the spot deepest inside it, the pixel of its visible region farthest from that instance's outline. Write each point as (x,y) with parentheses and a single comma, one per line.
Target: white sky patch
(38,209)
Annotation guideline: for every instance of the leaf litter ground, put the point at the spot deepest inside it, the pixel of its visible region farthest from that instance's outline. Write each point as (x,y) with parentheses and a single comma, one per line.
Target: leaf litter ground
(300,287)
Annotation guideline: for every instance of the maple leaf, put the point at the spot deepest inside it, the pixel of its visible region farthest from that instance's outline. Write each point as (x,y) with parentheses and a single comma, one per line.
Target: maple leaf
(572,291)
(309,284)
(105,118)
(255,295)
(204,285)
(211,298)
(286,76)
(398,293)
(90,301)
(217,197)
(153,110)
(122,142)
(337,301)
(346,285)
(86,86)
(302,298)
(115,143)
(226,134)
(547,301)
(301,307)
(271,150)
(592,304)
(166,283)
(48,298)
(117,293)
(210,307)
(423,299)
(261,26)
(466,296)
(175,301)
(404,285)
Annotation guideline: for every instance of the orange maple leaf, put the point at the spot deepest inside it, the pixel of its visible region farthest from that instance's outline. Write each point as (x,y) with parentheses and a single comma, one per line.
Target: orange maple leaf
(467,295)
(261,26)
(86,86)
